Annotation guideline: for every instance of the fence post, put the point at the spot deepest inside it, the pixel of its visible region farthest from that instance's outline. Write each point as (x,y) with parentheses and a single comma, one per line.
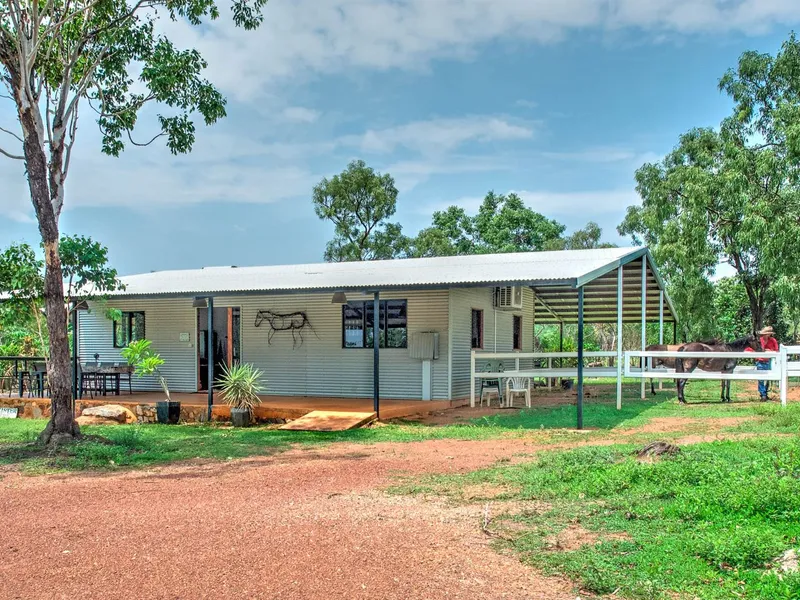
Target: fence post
(783,360)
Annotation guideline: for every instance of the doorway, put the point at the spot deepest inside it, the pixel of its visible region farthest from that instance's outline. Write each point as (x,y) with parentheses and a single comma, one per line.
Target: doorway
(226,341)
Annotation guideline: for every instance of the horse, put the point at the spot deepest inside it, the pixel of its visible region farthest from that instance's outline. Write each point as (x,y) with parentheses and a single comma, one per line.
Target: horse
(669,362)
(657,362)
(714,365)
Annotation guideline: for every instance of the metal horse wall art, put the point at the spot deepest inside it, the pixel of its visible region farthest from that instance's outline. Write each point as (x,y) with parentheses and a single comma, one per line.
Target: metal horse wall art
(294,322)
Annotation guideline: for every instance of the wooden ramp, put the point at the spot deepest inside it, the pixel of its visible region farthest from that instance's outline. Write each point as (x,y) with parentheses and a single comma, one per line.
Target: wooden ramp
(329,420)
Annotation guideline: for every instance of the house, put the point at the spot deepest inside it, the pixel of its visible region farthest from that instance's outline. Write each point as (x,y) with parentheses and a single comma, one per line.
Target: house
(309,327)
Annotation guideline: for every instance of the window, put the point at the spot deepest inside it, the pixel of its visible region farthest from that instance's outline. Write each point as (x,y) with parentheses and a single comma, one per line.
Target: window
(128,329)
(517,332)
(477,328)
(358,319)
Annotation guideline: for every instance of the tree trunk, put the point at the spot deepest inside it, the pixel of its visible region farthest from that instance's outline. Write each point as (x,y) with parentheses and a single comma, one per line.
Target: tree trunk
(62,426)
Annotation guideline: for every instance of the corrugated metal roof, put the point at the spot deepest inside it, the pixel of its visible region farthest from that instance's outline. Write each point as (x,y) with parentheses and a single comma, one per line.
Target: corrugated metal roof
(533,268)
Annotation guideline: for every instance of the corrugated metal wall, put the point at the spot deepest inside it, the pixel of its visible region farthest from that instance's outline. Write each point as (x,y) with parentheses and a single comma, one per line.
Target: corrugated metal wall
(462,301)
(165,320)
(317,367)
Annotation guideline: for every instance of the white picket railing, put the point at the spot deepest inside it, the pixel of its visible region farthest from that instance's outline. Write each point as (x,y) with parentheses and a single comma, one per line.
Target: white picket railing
(548,372)
(781,368)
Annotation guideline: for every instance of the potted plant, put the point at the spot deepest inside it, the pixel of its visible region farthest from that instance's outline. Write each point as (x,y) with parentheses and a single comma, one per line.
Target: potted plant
(240,386)
(147,363)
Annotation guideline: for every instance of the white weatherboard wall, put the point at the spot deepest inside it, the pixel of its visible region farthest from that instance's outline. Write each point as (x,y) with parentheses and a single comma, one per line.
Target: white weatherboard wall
(462,301)
(317,367)
(165,320)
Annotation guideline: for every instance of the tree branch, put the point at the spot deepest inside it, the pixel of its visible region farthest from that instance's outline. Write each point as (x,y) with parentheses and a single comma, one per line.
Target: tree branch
(146,143)
(12,134)
(9,155)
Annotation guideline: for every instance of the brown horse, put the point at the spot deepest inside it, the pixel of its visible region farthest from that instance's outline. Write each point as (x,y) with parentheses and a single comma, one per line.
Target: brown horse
(713,365)
(669,362)
(657,362)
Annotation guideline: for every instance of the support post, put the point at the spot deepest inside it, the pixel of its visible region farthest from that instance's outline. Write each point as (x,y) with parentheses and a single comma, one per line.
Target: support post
(472,379)
(674,331)
(74,357)
(783,364)
(661,329)
(376,344)
(644,321)
(580,358)
(210,354)
(560,348)
(620,358)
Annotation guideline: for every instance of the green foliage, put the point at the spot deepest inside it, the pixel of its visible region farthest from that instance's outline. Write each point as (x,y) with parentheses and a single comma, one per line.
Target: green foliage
(240,386)
(84,264)
(93,48)
(731,310)
(731,194)
(360,202)
(503,224)
(21,273)
(146,362)
(581,239)
(787,289)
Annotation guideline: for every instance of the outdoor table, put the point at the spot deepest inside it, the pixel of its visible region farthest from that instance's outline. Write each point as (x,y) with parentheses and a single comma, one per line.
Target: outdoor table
(108,373)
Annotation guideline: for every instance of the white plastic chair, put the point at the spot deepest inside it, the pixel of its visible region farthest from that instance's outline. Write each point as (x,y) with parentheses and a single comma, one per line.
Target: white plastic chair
(491,386)
(518,385)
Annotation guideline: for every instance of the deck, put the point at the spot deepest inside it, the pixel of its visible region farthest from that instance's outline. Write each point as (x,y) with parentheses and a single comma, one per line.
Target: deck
(271,407)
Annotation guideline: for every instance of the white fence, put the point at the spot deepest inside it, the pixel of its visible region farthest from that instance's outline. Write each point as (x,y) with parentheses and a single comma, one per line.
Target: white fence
(781,368)
(520,369)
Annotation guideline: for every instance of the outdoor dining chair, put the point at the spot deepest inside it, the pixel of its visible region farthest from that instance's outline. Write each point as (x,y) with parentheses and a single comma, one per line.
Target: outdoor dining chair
(491,386)
(37,380)
(517,386)
(89,381)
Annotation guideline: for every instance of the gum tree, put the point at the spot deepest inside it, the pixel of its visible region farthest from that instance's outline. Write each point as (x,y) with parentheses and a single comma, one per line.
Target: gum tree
(106,59)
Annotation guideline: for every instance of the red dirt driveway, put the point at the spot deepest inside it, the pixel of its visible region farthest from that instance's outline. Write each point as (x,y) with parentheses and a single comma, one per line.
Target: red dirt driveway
(308,524)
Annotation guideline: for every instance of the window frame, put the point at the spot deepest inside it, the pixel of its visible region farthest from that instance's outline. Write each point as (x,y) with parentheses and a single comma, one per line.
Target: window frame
(516,332)
(480,333)
(383,327)
(128,318)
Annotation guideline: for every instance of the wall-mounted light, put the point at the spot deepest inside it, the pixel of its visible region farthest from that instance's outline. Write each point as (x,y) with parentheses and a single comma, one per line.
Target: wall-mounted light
(200,302)
(339,298)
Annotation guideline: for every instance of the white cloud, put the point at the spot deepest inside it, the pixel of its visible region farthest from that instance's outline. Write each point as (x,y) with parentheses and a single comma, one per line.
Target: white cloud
(588,204)
(594,155)
(438,136)
(304,37)
(300,114)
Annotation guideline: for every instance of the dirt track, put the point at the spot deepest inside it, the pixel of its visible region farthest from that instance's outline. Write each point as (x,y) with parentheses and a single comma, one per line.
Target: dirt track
(311,523)
(305,524)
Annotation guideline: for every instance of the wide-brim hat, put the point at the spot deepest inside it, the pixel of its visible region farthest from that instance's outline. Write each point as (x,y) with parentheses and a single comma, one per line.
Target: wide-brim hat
(767,331)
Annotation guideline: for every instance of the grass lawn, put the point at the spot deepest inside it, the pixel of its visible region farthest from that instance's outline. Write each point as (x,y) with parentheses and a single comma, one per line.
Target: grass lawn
(707,523)
(144,445)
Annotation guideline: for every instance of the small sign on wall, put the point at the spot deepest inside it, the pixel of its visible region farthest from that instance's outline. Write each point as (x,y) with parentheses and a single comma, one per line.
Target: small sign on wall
(8,413)
(184,337)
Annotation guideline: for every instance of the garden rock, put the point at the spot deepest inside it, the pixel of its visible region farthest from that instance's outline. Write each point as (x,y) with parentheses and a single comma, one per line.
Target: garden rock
(658,449)
(110,414)
(788,562)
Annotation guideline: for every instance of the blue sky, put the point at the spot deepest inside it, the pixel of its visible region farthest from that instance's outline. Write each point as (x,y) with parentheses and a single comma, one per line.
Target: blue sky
(557,101)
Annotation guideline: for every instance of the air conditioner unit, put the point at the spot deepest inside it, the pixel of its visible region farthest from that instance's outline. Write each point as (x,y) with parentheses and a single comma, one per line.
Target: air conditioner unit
(508,297)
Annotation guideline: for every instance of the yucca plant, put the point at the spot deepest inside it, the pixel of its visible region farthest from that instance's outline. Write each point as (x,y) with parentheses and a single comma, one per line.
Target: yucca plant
(240,386)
